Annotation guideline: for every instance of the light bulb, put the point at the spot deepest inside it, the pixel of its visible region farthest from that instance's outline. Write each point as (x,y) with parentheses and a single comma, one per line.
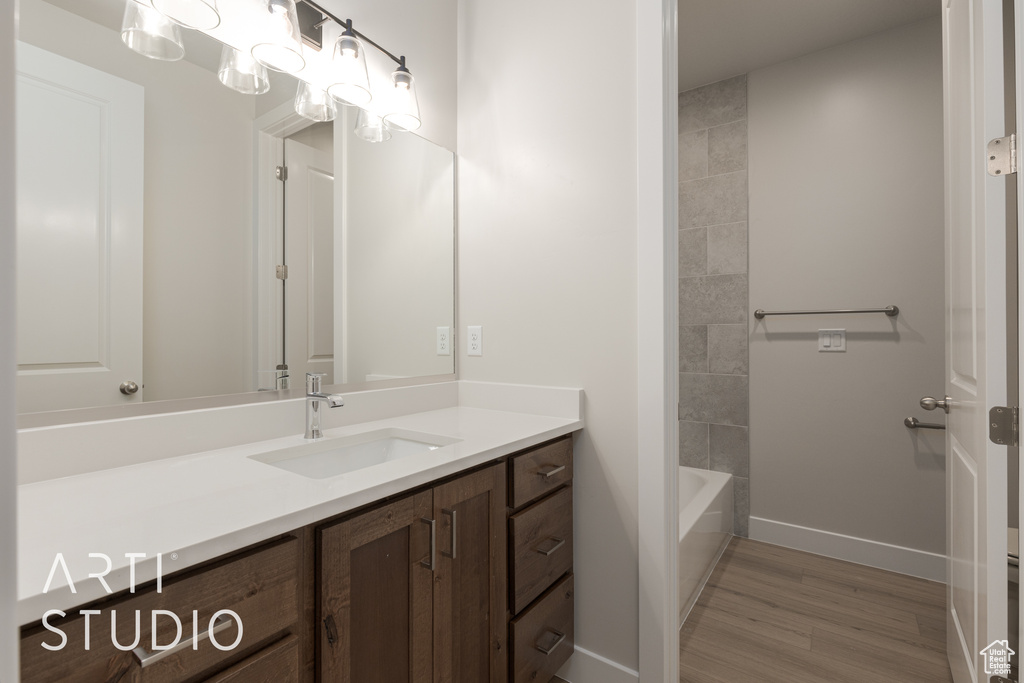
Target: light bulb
(313,103)
(282,50)
(371,128)
(352,84)
(150,33)
(403,108)
(239,71)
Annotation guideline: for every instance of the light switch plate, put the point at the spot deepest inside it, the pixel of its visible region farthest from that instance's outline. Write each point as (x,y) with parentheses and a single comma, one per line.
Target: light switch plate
(475,336)
(444,341)
(832,341)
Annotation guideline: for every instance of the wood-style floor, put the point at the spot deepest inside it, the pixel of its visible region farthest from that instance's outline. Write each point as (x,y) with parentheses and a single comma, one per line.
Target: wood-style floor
(770,614)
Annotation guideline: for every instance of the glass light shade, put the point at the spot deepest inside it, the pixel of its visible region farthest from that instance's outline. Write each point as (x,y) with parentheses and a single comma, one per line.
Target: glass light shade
(197,14)
(403,108)
(353,83)
(314,103)
(239,71)
(150,33)
(371,128)
(282,52)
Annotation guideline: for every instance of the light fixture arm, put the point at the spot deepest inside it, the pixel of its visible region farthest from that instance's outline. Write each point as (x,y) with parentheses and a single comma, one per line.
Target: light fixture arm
(347,25)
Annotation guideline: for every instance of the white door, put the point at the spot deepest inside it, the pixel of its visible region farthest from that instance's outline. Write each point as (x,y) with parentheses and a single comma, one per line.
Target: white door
(309,254)
(976,335)
(79,194)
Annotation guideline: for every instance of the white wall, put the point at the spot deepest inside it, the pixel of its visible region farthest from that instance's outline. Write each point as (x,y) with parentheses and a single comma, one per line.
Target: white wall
(548,261)
(396,202)
(846,200)
(8,460)
(198,209)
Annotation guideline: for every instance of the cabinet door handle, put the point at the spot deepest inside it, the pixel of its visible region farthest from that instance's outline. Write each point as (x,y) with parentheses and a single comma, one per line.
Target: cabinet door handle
(453,514)
(147,658)
(548,650)
(555,469)
(430,564)
(332,632)
(559,542)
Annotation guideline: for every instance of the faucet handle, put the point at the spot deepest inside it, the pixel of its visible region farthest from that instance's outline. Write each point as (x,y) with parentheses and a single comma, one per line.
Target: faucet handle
(313,380)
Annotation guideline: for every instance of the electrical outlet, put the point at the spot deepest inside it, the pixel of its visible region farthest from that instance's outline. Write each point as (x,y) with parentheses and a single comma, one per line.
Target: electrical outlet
(444,341)
(476,340)
(832,340)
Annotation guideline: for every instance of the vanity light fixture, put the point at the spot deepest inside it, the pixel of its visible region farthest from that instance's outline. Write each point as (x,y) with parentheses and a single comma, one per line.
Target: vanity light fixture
(314,104)
(371,128)
(271,34)
(197,14)
(150,33)
(353,84)
(284,52)
(239,71)
(403,107)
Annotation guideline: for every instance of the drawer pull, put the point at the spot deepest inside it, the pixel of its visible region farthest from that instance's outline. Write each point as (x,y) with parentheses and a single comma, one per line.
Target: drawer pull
(453,514)
(430,564)
(547,474)
(559,637)
(559,542)
(147,658)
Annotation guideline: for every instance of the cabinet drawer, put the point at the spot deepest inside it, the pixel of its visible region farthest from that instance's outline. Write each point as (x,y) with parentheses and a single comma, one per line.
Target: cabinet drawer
(541,471)
(542,637)
(277,663)
(261,587)
(541,546)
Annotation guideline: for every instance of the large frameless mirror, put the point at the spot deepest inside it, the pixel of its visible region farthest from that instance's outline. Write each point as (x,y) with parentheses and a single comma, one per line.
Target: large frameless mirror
(179,239)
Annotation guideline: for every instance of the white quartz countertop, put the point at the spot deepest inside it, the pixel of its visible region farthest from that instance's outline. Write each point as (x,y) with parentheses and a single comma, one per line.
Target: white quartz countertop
(192,508)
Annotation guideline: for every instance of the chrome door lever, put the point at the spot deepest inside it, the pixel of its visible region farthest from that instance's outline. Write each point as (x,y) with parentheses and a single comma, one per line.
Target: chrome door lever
(929,403)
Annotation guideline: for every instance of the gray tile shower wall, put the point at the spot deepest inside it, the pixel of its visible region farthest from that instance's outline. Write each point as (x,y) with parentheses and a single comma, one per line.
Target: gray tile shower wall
(713,290)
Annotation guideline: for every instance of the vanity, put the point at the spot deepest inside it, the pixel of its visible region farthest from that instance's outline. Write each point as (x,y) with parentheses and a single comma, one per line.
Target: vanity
(174,524)
(451,563)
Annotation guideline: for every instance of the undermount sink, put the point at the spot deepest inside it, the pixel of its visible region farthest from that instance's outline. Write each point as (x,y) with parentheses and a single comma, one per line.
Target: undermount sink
(330,457)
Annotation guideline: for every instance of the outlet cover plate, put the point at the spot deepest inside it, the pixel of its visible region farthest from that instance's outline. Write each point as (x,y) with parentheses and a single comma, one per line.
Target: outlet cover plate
(444,341)
(475,337)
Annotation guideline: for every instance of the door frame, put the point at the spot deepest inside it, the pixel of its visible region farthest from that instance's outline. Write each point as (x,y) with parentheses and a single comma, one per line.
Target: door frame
(269,131)
(8,359)
(657,338)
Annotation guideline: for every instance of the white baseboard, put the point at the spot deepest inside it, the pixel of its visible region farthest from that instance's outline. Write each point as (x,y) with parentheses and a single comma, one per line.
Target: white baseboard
(894,558)
(587,667)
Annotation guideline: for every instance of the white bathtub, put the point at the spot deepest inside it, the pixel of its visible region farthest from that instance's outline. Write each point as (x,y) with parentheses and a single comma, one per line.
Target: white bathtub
(705,527)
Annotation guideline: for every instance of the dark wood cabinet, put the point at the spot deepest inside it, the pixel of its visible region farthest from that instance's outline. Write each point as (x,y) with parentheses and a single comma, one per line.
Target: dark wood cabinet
(414,591)
(541,552)
(470,610)
(376,595)
(465,580)
(260,587)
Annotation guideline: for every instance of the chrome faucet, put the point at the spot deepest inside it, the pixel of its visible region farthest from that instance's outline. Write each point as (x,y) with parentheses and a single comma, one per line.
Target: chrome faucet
(313,398)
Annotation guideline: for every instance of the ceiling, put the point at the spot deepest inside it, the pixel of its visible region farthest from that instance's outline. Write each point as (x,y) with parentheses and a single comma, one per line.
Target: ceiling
(719,39)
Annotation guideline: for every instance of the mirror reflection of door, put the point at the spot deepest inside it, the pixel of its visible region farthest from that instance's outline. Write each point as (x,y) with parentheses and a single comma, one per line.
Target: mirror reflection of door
(79,167)
(309,253)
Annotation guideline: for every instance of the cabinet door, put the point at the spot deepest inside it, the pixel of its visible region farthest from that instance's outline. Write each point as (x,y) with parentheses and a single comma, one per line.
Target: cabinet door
(376,614)
(470,594)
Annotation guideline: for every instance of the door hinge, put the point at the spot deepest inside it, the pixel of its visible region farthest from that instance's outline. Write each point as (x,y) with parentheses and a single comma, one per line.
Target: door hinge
(282,272)
(1003,428)
(1002,155)
(281,173)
